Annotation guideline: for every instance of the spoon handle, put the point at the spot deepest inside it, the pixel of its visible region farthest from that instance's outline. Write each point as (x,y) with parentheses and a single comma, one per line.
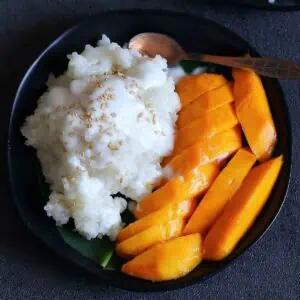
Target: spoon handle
(269,67)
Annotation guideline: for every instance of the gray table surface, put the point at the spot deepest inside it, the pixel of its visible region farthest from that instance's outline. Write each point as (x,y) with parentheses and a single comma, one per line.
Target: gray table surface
(28,270)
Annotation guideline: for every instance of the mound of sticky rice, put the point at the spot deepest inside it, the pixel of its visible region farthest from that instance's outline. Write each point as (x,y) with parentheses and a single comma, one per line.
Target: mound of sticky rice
(101,128)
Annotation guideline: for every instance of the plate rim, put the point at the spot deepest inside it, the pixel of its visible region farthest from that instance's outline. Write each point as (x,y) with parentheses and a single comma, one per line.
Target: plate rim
(268,7)
(170,285)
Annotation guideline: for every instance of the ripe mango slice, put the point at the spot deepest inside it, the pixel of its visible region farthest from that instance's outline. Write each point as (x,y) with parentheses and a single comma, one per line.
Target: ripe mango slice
(242,210)
(188,185)
(170,260)
(149,237)
(253,112)
(220,192)
(214,122)
(206,151)
(205,103)
(182,209)
(192,86)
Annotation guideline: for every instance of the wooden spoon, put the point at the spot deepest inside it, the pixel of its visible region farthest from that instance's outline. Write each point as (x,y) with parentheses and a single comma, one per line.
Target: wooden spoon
(153,44)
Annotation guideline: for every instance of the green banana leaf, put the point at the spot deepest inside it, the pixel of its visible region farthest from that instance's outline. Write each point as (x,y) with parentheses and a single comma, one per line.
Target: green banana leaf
(99,250)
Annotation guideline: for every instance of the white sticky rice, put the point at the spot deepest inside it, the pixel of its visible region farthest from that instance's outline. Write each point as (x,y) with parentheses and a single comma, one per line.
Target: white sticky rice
(101,128)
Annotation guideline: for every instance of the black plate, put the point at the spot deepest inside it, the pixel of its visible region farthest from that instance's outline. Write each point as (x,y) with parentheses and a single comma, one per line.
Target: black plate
(195,34)
(279,5)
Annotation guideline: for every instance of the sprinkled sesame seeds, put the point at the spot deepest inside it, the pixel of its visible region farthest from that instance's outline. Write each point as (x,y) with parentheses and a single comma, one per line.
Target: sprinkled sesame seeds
(115,146)
(154,119)
(103,105)
(106,96)
(117,70)
(99,84)
(104,118)
(88,116)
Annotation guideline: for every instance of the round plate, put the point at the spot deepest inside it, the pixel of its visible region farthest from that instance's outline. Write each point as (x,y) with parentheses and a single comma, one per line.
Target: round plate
(195,34)
(279,5)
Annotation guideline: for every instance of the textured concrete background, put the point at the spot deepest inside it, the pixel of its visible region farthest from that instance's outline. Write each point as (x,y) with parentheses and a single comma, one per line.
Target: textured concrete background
(270,270)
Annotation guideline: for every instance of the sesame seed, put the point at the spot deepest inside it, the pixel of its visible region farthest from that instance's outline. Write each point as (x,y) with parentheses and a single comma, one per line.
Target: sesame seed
(154,119)
(115,146)
(104,118)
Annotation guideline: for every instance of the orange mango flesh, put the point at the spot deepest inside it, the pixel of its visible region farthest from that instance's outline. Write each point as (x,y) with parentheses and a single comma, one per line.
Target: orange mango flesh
(253,112)
(208,135)
(206,151)
(220,192)
(192,86)
(214,122)
(170,260)
(149,237)
(241,211)
(205,103)
(188,185)
(182,209)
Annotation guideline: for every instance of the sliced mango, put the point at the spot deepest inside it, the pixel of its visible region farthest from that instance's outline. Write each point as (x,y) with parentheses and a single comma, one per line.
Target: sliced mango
(187,185)
(220,192)
(221,145)
(205,103)
(253,112)
(214,122)
(149,237)
(192,86)
(182,209)
(241,211)
(170,260)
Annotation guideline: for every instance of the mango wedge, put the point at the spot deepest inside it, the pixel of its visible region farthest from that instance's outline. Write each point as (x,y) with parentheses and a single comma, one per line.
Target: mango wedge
(221,145)
(241,211)
(220,192)
(182,209)
(186,186)
(170,260)
(214,122)
(151,236)
(192,86)
(205,103)
(253,112)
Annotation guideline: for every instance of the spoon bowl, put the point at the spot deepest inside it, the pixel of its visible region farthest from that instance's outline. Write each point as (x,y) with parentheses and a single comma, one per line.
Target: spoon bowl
(153,44)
